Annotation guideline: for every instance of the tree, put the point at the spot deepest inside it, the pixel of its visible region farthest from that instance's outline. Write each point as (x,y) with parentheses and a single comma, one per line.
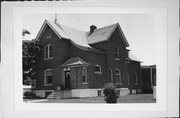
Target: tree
(30,52)
(24,32)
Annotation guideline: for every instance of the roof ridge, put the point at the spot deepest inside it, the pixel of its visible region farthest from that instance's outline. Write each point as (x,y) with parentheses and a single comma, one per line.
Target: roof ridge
(104,27)
(59,24)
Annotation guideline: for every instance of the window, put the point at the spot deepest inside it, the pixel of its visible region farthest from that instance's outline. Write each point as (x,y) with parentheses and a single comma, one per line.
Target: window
(128,78)
(48,36)
(111,75)
(116,52)
(84,74)
(48,77)
(98,69)
(48,51)
(127,60)
(136,79)
(118,76)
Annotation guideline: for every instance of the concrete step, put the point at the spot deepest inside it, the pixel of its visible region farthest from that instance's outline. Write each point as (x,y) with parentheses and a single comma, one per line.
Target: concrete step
(51,96)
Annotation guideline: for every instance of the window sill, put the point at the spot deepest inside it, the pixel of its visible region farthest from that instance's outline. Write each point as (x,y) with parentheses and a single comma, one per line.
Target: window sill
(48,58)
(98,72)
(84,83)
(48,84)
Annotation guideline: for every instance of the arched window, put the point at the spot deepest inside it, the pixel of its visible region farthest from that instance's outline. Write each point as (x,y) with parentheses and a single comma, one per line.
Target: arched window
(48,51)
(48,77)
(84,75)
(118,76)
(116,53)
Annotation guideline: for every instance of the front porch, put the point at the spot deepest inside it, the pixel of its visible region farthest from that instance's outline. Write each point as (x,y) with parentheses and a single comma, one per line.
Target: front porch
(75,74)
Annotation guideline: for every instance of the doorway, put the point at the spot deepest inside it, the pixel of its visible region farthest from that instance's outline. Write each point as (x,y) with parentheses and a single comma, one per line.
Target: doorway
(67,79)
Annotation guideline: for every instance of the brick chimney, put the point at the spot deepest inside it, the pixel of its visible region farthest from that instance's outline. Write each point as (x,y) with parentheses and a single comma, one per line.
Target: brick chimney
(92,28)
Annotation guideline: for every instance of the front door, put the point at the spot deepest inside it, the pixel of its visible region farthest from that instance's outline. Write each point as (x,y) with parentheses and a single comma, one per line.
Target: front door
(67,79)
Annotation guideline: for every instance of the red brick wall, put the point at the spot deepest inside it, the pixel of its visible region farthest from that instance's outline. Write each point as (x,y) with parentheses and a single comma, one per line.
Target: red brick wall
(108,46)
(93,58)
(63,50)
(60,53)
(116,40)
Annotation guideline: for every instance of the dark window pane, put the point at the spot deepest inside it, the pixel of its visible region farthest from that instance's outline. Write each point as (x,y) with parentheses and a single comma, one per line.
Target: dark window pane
(49,79)
(50,51)
(97,69)
(116,52)
(84,78)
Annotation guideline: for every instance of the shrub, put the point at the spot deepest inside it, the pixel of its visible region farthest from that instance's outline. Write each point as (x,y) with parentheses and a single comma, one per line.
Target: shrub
(110,93)
(29,95)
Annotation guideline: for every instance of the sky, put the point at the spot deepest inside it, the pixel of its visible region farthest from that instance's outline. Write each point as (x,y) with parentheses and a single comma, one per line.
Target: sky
(139,29)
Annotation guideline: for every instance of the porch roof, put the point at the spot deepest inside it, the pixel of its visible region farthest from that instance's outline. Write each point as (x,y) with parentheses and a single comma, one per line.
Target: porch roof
(75,61)
(133,57)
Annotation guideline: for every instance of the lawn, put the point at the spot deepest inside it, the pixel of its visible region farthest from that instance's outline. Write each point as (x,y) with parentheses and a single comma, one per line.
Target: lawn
(133,98)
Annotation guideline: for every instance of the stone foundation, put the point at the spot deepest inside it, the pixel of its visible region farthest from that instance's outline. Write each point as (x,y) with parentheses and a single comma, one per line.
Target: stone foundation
(42,93)
(79,93)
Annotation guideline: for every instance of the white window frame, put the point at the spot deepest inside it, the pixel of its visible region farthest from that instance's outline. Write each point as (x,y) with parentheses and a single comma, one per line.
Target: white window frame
(111,77)
(48,53)
(98,72)
(119,74)
(45,77)
(84,73)
(136,79)
(116,52)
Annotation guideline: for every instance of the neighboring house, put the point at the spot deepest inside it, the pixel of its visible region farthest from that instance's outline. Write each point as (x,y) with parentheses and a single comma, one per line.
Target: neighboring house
(134,74)
(148,78)
(82,62)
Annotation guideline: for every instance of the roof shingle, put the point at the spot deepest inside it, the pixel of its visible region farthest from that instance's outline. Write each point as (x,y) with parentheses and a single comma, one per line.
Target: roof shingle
(100,34)
(82,39)
(133,58)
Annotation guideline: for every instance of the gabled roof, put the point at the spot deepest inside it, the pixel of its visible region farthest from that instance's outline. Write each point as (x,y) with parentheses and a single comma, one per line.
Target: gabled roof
(77,38)
(133,58)
(75,61)
(104,33)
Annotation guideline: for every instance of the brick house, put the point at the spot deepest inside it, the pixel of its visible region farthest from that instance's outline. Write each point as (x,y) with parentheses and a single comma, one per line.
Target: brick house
(82,62)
